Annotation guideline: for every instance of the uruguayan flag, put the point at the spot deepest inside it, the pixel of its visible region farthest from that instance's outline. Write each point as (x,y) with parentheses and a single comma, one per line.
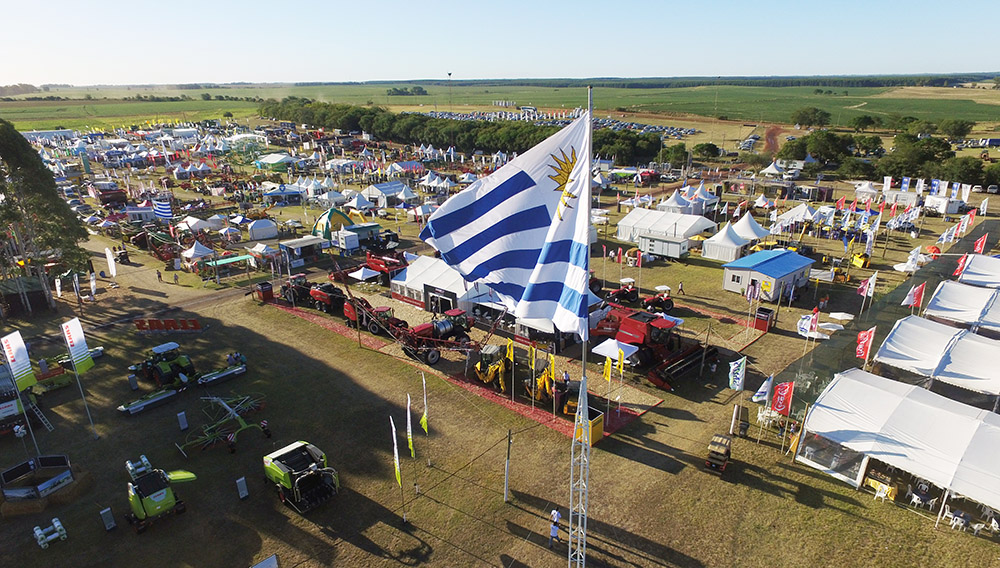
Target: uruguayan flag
(524,231)
(162,210)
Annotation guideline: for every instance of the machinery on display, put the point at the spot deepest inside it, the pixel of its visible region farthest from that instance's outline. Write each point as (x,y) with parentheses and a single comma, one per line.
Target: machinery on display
(627,293)
(296,290)
(659,347)
(327,298)
(164,365)
(494,367)
(236,365)
(302,476)
(226,422)
(660,302)
(387,263)
(150,496)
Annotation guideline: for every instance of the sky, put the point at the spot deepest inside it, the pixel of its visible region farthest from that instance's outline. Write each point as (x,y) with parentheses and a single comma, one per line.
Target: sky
(223,41)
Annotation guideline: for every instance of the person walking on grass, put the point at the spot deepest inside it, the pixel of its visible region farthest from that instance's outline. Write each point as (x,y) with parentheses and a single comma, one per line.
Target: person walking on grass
(176,279)
(159,276)
(680,288)
(554,516)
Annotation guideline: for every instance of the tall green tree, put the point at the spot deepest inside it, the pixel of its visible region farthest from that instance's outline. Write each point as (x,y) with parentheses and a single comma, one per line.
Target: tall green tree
(862,123)
(811,116)
(706,150)
(38,222)
(956,128)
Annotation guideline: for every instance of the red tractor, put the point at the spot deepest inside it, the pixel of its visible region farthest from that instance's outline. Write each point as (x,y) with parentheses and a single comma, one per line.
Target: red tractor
(425,341)
(661,302)
(296,290)
(628,293)
(376,320)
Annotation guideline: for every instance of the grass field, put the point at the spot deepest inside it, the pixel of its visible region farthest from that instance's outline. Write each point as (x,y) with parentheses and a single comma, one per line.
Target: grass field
(743,104)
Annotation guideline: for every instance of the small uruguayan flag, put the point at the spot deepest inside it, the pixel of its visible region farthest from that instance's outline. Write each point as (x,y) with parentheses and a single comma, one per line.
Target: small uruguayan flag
(162,210)
(524,231)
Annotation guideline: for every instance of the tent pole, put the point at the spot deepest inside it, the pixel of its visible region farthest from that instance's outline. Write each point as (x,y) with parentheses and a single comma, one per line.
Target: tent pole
(941,510)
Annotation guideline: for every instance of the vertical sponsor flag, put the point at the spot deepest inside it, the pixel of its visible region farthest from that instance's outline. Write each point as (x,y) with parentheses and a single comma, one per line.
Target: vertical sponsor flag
(423,418)
(886,183)
(409,427)
(982,206)
(802,327)
(607,368)
(510,349)
(980,244)
(905,184)
(16,354)
(525,230)
(58,287)
(782,402)
(865,339)
(112,267)
(77,345)
(93,285)
(737,372)
(395,453)
(961,265)
(764,391)
(621,362)
(935,186)
(814,321)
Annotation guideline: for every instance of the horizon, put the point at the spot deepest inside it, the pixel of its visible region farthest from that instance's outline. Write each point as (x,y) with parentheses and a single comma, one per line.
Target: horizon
(195,43)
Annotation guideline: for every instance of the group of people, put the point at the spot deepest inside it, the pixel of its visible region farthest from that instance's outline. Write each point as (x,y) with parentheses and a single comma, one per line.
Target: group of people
(235,358)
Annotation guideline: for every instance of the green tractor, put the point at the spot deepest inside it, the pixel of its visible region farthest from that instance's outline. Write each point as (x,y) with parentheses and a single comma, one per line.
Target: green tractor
(164,365)
(149,494)
(301,475)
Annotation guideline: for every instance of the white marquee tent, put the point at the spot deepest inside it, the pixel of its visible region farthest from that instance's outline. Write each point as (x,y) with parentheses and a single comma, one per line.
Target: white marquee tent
(954,356)
(664,223)
(676,204)
(197,251)
(966,306)
(948,443)
(981,270)
(748,228)
(725,245)
(800,213)
(262,229)
(773,170)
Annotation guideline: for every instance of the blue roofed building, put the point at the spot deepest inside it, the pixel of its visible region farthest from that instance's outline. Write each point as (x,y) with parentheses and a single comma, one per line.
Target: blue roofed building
(775,270)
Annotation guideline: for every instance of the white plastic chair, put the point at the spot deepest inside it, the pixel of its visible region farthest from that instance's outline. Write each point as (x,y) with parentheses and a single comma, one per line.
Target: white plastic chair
(948,515)
(978,527)
(994,526)
(882,493)
(909,491)
(923,487)
(915,500)
(931,503)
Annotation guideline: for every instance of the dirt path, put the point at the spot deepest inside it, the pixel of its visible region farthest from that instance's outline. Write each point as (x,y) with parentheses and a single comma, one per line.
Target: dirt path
(771,138)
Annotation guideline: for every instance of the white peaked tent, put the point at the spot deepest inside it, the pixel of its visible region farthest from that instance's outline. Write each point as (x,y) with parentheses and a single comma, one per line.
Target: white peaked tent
(197,251)
(865,190)
(799,213)
(407,194)
(194,224)
(216,221)
(748,228)
(230,233)
(359,202)
(662,223)
(706,197)
(328,183)
(262,229)
(948,443)
(763,202)
(725,245)
(773,170)
(943,353)
(967,306)
(600,181)
(676,204)
(981,270)
(467,177)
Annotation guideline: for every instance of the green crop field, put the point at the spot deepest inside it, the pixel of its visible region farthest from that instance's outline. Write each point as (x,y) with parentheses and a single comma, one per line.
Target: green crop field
(737,103)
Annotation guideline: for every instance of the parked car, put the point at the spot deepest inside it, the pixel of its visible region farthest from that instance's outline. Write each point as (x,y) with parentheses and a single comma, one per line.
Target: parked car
(992,189)
(977,189)
(74,202)
(83,210)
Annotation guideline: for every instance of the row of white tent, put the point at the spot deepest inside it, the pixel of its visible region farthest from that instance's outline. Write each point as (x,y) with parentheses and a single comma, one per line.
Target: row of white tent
(862,416)
(732,240)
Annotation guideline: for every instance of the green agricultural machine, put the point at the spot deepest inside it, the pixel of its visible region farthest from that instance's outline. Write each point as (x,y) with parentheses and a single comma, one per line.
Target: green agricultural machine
(301,475)
(164,364)
(149,494)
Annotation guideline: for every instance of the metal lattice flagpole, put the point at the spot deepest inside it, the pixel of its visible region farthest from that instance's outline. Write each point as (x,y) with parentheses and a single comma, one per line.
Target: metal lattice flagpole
(579,473)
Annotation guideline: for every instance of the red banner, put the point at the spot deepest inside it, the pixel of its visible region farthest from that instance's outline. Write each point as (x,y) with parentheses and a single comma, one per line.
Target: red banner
(980,244)
(865,339)
(782,401)
(961,265)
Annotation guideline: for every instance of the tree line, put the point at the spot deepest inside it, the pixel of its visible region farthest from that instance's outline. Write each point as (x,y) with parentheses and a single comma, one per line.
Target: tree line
(467,136)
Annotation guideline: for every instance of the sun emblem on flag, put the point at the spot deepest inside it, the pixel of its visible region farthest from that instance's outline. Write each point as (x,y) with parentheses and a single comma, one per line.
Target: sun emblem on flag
(563,168)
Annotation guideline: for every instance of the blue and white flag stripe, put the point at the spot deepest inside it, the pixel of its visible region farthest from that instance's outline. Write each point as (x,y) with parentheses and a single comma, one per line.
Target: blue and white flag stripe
(162,210)
(524,231)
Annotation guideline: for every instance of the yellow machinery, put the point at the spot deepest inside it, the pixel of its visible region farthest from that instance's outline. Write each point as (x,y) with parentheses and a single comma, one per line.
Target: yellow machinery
(357,216)
(545,383)
(860,260)
(492,367)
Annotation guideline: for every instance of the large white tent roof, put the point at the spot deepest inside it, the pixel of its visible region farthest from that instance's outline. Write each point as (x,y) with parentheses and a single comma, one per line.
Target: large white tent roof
(981,270)
(965,304)
(773,170)
(748,228)
(800,212)
(954,356)
(196,251)
(665,223)
(727,237)
(948,443)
